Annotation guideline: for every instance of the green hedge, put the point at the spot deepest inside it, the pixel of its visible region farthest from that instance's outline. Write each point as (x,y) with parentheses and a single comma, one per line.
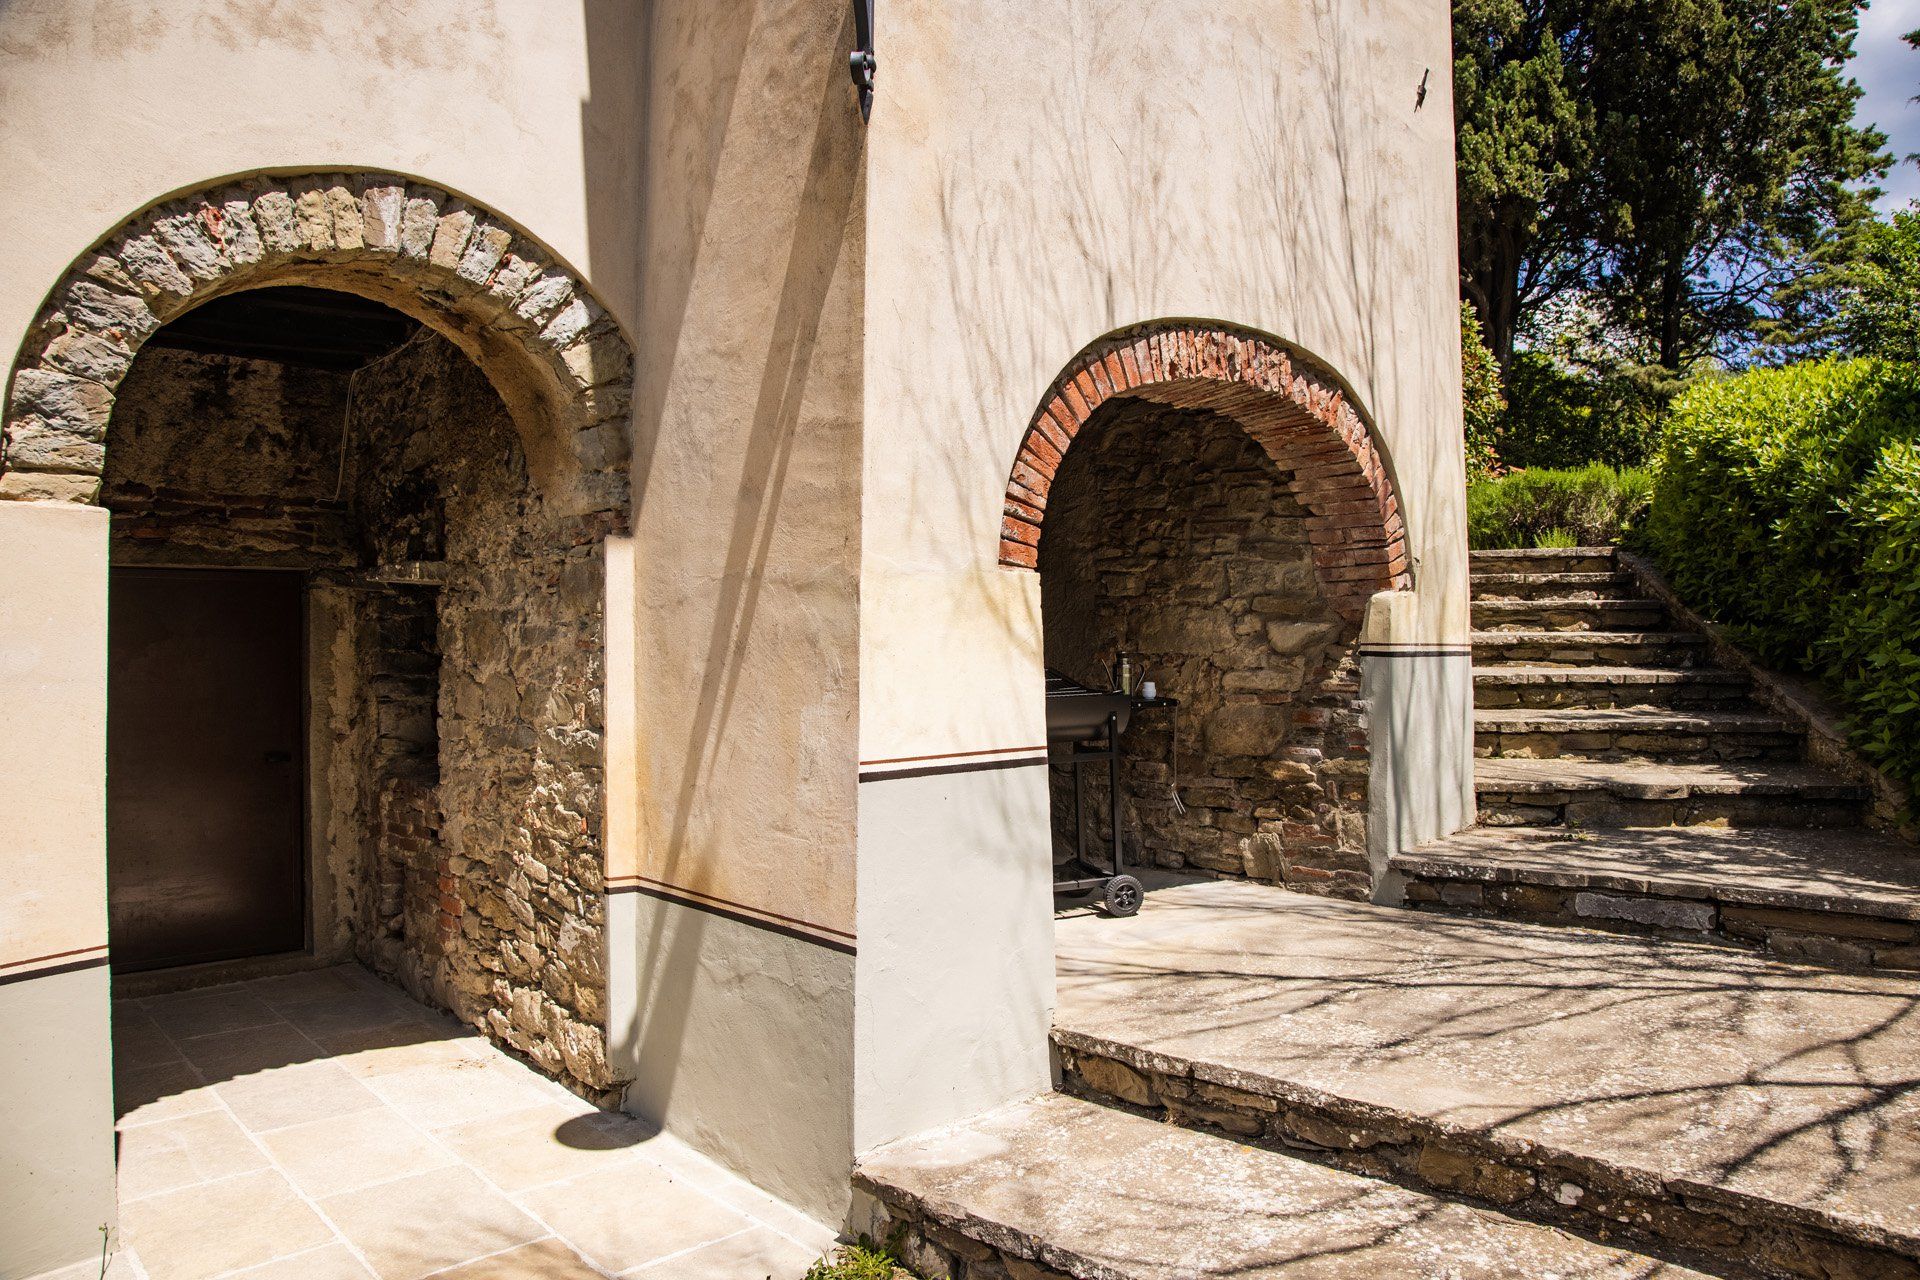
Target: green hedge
(1787,506)
(1589,506)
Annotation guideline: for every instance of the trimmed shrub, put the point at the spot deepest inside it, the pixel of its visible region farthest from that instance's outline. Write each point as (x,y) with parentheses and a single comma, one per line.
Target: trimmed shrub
(1556,418)
(1787,506)
(1481,401)
(1589,506)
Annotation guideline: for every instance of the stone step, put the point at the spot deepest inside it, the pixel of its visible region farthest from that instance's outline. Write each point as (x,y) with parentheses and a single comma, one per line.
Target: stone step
(1544,560)
(1568,615)
(1702,1096)
(1582,793)
(1590,648)
(1496,687)
(1583,733)
(1056,1186)
(1828,897)
(1562,586)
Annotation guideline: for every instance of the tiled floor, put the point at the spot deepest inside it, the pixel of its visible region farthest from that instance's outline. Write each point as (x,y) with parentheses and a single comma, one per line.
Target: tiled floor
(323,1126)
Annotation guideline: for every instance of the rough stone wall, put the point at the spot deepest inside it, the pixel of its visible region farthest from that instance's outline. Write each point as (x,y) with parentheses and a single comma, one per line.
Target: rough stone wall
(458,716)
(503,912)
(1172,536)
(221,460)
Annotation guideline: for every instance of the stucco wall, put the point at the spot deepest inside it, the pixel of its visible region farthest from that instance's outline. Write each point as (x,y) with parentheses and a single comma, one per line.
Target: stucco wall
(1040,176)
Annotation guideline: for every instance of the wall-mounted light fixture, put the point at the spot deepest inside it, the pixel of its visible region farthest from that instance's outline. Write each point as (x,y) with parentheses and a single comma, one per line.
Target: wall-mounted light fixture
(861,62)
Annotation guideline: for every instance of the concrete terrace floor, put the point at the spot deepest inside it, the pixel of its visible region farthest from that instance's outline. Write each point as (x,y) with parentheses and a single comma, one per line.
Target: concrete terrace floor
(325,1127)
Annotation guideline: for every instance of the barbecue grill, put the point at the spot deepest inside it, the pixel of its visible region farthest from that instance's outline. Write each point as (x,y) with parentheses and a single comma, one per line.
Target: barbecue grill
(1090,722)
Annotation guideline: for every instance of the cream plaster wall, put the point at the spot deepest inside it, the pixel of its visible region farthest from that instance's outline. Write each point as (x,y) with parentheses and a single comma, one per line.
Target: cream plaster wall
(56,1099)
(1041,175)
(529,106)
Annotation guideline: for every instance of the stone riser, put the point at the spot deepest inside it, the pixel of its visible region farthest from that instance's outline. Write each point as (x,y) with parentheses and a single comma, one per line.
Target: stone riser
(1668,695)
(1640,744)
(1600,810)
(1825,938)
(1573,652)
(1568,615)
(1541,561)
(1614,1205)
(1576,586)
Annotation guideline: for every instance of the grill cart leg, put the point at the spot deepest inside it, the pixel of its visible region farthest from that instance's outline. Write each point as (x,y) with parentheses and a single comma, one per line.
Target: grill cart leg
(1121,894)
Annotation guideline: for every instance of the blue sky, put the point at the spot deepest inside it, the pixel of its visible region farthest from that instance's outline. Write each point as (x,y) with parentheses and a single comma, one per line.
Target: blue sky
(1888,70)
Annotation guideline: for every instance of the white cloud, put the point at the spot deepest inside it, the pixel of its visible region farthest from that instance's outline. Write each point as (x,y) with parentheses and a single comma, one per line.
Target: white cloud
(1888,70)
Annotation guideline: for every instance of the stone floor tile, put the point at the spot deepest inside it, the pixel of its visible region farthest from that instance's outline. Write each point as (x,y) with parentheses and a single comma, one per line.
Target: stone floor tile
(548,1259)
(144,1094)
(379,1051)
(295,1095)
(351,1011)
(328,1262)
(220,1226)
(345,1153)
(138,1040)
(441,1095)
(208,1011)
(307,985)
(182,1152)
(546,1144)
(227,1054)
(429,1221)
(758,1253)
(597,1215)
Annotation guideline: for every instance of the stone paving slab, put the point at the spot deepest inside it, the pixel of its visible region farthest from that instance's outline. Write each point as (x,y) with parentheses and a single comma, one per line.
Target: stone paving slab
(1857,871)
(1695,1070)
(1094,1192)
(1626,720)
(1656,781)
(322,1125)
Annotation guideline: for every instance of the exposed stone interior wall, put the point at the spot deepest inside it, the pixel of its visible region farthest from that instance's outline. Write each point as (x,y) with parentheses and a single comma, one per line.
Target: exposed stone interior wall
(439,478)
(1171,535)
(457,705)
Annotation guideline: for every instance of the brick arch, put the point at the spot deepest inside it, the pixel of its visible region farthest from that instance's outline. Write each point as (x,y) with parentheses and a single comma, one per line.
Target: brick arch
(557,358)
(1297,412)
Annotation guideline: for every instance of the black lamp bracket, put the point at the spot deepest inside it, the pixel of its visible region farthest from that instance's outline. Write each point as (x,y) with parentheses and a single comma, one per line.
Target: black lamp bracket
(861,61)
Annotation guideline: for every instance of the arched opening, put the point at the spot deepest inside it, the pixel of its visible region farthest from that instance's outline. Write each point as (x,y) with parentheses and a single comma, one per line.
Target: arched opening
(355,690)
(1208,505)
(362,443)
(1173,539)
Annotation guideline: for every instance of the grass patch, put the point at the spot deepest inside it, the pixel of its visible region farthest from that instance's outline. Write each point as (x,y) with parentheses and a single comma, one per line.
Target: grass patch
(1591,506)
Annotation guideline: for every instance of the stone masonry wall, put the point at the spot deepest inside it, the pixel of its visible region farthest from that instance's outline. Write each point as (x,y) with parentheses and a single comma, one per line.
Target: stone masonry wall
(506,912)
(458,714)
(1171,535)
(223,461)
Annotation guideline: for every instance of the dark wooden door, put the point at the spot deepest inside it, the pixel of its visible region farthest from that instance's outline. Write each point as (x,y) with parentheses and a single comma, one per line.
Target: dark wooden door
(205,852)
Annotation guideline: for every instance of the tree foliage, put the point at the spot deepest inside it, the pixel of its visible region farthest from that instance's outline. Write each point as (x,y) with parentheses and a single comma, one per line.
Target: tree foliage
(1481,399)
(1688,162)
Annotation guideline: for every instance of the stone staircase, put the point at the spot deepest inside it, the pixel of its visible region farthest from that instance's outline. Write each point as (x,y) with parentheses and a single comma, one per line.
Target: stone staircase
(1656,1016)
(1623,784)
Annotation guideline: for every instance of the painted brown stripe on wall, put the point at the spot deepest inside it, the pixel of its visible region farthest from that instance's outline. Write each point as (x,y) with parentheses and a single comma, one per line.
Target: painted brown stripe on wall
(773,922)
(963,766)
(952,755)
(57,962)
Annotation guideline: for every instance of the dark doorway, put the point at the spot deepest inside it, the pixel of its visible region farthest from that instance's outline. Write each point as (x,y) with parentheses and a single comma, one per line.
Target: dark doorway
(205,853)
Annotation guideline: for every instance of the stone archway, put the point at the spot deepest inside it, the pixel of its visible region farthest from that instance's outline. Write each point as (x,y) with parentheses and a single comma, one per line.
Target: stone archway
(479,880)
(1221,514)
(554,354)
(1297,412)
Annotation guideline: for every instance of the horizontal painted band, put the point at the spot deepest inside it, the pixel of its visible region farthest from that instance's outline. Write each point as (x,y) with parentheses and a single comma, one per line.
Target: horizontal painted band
(739,913)
(1416,651)
(58,962)
(958,766)
(954,755)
